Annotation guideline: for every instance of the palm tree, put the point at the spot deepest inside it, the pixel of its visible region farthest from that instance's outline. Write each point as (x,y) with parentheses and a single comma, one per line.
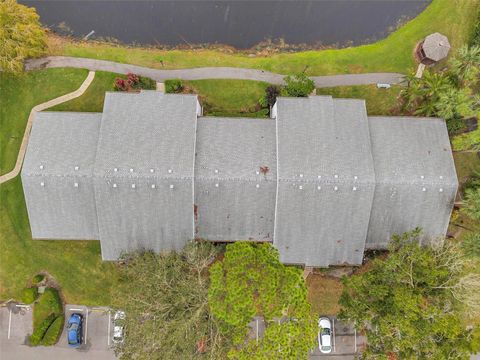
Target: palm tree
(465,66)
(454,104)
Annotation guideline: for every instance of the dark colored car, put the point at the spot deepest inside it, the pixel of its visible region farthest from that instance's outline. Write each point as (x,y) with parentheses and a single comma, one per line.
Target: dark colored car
(75,330)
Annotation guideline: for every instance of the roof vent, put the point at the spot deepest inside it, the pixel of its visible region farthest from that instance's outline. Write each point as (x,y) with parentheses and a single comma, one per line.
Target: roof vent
(257,172)
(153,186)
(300,187)
(152,171)
(115,169)
(133,186)
(319,187)
(257,186)
(170,171)
(319,176)
(441,177)
(301,175)
(76,168)
(440,190)
(335,188)
(41,167)
(335,176)
(131,170)
(355,177)
(75,184)
(424,189)
(216,171)
(354,188)
(114,185)
(42,184)
(171,186)
(422,177)
(217,185)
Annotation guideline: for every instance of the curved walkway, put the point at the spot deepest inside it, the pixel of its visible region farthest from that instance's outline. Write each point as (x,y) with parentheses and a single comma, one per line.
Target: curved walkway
(207,72)
(26,135)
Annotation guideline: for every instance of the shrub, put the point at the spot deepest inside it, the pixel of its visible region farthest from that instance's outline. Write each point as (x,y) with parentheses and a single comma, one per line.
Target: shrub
(132,79)
(173,86)
(471,244)
(54,331)
(38,278)
(467,141)
(48,303)
(39,331)
(120,85)
(134,82)
(29,295)
(298,85)
(146,83)
(475,35)
(271,93)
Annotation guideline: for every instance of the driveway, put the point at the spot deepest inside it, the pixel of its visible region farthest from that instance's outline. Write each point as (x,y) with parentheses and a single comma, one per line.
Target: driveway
(207,72)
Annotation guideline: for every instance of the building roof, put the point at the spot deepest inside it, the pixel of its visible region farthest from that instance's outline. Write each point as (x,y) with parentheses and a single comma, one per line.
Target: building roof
(436,46)
(325,176)
(57,175)
(235,179)
(416,180)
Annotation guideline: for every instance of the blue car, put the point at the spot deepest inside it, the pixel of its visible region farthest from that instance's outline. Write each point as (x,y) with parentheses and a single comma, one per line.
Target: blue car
(75,330)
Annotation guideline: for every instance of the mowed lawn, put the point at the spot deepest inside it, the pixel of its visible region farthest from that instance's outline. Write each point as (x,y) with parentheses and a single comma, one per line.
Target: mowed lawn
(76,265)
(453,18)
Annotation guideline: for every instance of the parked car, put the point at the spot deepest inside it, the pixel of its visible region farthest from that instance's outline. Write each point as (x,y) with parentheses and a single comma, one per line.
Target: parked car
(75,330)
(118,326)
(325,335)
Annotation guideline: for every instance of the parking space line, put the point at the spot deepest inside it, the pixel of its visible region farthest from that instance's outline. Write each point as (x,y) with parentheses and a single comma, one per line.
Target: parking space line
(355,332)
(9,322)
(108,331)
(333,331)
(76,309)
(86,326)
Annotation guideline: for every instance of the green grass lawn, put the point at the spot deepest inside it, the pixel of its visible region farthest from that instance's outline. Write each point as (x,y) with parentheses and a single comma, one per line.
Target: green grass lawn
(229,97)
(76,265)
(378,101)
(453,18)
(18,94)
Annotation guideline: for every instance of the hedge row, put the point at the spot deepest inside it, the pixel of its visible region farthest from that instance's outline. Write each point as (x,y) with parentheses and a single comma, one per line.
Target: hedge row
(39,332)
(54,331)
(29,295)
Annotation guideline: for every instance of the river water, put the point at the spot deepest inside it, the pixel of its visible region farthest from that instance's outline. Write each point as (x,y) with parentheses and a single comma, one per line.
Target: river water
(241,24)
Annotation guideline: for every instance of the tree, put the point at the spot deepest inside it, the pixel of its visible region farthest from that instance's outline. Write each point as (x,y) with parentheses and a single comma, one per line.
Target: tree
(298,85)
(408,303)
(21,35)
(471,204)
(465,66)
(165,300)
(251,281)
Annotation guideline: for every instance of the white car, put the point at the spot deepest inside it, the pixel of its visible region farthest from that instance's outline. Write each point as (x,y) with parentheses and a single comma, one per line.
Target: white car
(118,327)
(324,335)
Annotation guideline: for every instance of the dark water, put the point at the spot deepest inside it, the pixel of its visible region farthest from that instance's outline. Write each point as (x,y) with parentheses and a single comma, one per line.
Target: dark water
(238,23)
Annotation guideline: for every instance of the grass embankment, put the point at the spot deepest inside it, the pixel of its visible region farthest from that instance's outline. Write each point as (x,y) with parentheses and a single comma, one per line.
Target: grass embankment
(18,94)
(394,53)
(76,265)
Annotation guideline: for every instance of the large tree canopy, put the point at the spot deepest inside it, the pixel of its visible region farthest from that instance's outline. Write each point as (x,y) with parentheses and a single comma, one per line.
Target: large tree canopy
(251,281)
(21,35)
(165,300)
(408,303)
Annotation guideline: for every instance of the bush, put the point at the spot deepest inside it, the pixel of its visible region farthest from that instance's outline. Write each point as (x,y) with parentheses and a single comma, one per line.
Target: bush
(54,331)
(38,278)
(475,36)
(271,93)
(29,295)
(471,245)
(173,86)
(48,303)
(134,82)
(299,85)
(39,331)
(146,83)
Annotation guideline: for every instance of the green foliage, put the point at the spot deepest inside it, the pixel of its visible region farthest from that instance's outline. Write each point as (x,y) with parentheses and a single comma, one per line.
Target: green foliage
(21,35)
(407,303)
(54,331)
(174,86)
(471,245)
(29,295)
(465,65)
(271,93)
(146,83)
(467,141)
(164,297)
(251,281)
(471,203)
(475,35)
(38,278)
(298,85)
(48,303)
(40,330)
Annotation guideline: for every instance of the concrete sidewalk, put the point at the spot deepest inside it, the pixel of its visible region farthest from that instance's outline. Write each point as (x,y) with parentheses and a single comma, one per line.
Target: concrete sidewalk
(208,72)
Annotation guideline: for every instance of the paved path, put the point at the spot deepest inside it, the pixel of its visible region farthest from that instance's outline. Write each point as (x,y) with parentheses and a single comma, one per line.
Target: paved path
(23,147)
(207,72)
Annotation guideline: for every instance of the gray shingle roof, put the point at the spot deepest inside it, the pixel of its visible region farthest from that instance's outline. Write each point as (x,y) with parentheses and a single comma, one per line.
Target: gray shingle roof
(325,177)
(235,179)
(57,175)
(436,46)
(341,181)
(415,176)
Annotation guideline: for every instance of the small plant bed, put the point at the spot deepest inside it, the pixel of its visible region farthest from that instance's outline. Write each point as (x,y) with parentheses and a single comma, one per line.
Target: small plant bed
(48,318)
(324,293)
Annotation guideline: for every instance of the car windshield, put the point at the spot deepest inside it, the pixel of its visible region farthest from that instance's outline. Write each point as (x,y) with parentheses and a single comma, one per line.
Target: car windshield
(72,337)
(326,348)
(325,331)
